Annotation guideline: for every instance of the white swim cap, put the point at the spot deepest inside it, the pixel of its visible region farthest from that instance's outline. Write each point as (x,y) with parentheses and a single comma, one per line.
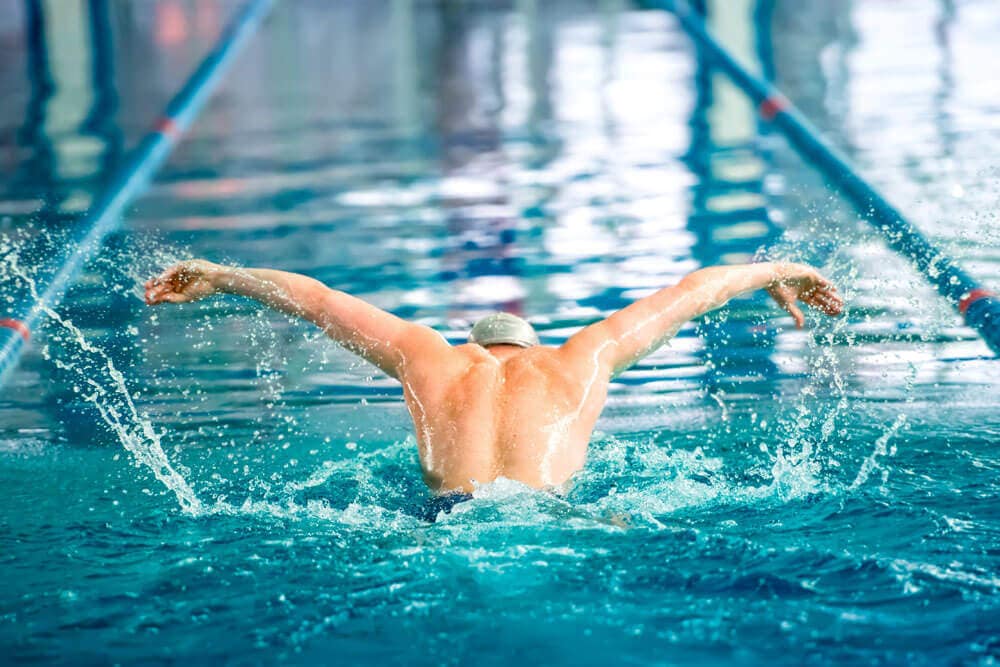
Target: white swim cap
(503,329)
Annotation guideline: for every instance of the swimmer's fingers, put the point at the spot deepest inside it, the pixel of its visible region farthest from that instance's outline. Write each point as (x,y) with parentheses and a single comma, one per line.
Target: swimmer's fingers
(159,287)
(805,284)
(181,274)
(161,293)
(167,298)
(795,312)
(785,297)
(825,299)
(822,283)
(180,283)
(165,280)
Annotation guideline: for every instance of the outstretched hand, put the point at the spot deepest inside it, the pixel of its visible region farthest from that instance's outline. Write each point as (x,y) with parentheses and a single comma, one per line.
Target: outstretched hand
(182,282)
(798,282)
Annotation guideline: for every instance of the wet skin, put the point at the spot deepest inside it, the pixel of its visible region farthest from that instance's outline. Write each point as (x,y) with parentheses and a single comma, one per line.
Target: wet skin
(526,414)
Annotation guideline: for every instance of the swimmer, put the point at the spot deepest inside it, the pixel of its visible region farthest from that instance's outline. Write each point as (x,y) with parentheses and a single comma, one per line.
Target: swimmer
(501,405)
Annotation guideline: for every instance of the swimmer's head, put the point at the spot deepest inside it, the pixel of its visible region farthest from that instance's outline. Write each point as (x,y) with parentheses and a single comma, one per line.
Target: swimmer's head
(503,329)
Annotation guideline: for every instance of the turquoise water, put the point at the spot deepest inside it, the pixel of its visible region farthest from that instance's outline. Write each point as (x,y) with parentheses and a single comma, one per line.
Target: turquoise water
(214,483)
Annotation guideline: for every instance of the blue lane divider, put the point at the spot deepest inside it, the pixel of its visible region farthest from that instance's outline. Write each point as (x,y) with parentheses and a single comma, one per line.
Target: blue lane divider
(979,306)
(130,181)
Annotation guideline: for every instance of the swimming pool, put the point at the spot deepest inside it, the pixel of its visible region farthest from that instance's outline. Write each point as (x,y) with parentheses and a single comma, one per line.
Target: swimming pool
(756,495)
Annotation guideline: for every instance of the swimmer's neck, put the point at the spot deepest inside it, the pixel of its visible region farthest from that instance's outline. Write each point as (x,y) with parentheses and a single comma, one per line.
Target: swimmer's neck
(503,351)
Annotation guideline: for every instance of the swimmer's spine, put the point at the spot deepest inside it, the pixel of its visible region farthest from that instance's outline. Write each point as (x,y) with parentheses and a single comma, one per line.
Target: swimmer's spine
(131,180)
(980,307)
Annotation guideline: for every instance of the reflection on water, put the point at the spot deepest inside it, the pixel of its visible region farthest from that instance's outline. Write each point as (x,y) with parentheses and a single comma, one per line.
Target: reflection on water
(556,159)
(730,217)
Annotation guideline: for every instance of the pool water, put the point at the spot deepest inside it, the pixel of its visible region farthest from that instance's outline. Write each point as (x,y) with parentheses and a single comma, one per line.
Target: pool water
(215,483)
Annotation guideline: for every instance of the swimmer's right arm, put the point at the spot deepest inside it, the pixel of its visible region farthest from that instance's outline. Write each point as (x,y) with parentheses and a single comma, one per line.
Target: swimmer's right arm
(636,330)
(372,333)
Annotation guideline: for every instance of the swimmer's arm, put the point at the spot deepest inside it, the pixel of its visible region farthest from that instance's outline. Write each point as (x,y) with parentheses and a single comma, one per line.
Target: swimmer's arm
(636,330)
(372,333)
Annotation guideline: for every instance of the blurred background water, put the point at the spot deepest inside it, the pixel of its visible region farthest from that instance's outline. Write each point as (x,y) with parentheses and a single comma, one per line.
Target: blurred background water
(755,494)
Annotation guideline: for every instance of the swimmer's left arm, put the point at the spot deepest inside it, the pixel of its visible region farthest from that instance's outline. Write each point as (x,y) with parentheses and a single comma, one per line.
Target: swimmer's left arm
(370,332)
(636,330)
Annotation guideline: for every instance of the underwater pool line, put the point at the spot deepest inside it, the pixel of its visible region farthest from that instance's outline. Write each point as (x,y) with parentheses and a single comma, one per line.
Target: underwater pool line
(130,181)
(979,306)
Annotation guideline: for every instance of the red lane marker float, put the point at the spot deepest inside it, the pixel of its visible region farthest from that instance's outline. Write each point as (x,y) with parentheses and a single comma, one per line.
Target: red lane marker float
(167,127)
(972,297)
(772,106)
(18,326)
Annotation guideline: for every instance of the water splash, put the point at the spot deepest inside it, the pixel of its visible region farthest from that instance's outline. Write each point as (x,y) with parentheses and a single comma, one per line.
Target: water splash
(687,477)
(881,451)
(108,392)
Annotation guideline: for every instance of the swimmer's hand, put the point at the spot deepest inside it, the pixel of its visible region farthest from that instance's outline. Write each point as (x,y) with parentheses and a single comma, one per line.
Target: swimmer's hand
(184,282)
(798,282)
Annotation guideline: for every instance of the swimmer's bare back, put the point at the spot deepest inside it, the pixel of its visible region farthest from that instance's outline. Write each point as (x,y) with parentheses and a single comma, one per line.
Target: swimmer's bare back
(503,410)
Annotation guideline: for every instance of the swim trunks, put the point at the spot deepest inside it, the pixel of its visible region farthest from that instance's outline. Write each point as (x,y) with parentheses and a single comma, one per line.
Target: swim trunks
(435,505)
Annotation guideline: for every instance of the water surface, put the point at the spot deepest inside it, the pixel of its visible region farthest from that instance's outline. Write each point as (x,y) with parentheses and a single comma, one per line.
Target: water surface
(754,494)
